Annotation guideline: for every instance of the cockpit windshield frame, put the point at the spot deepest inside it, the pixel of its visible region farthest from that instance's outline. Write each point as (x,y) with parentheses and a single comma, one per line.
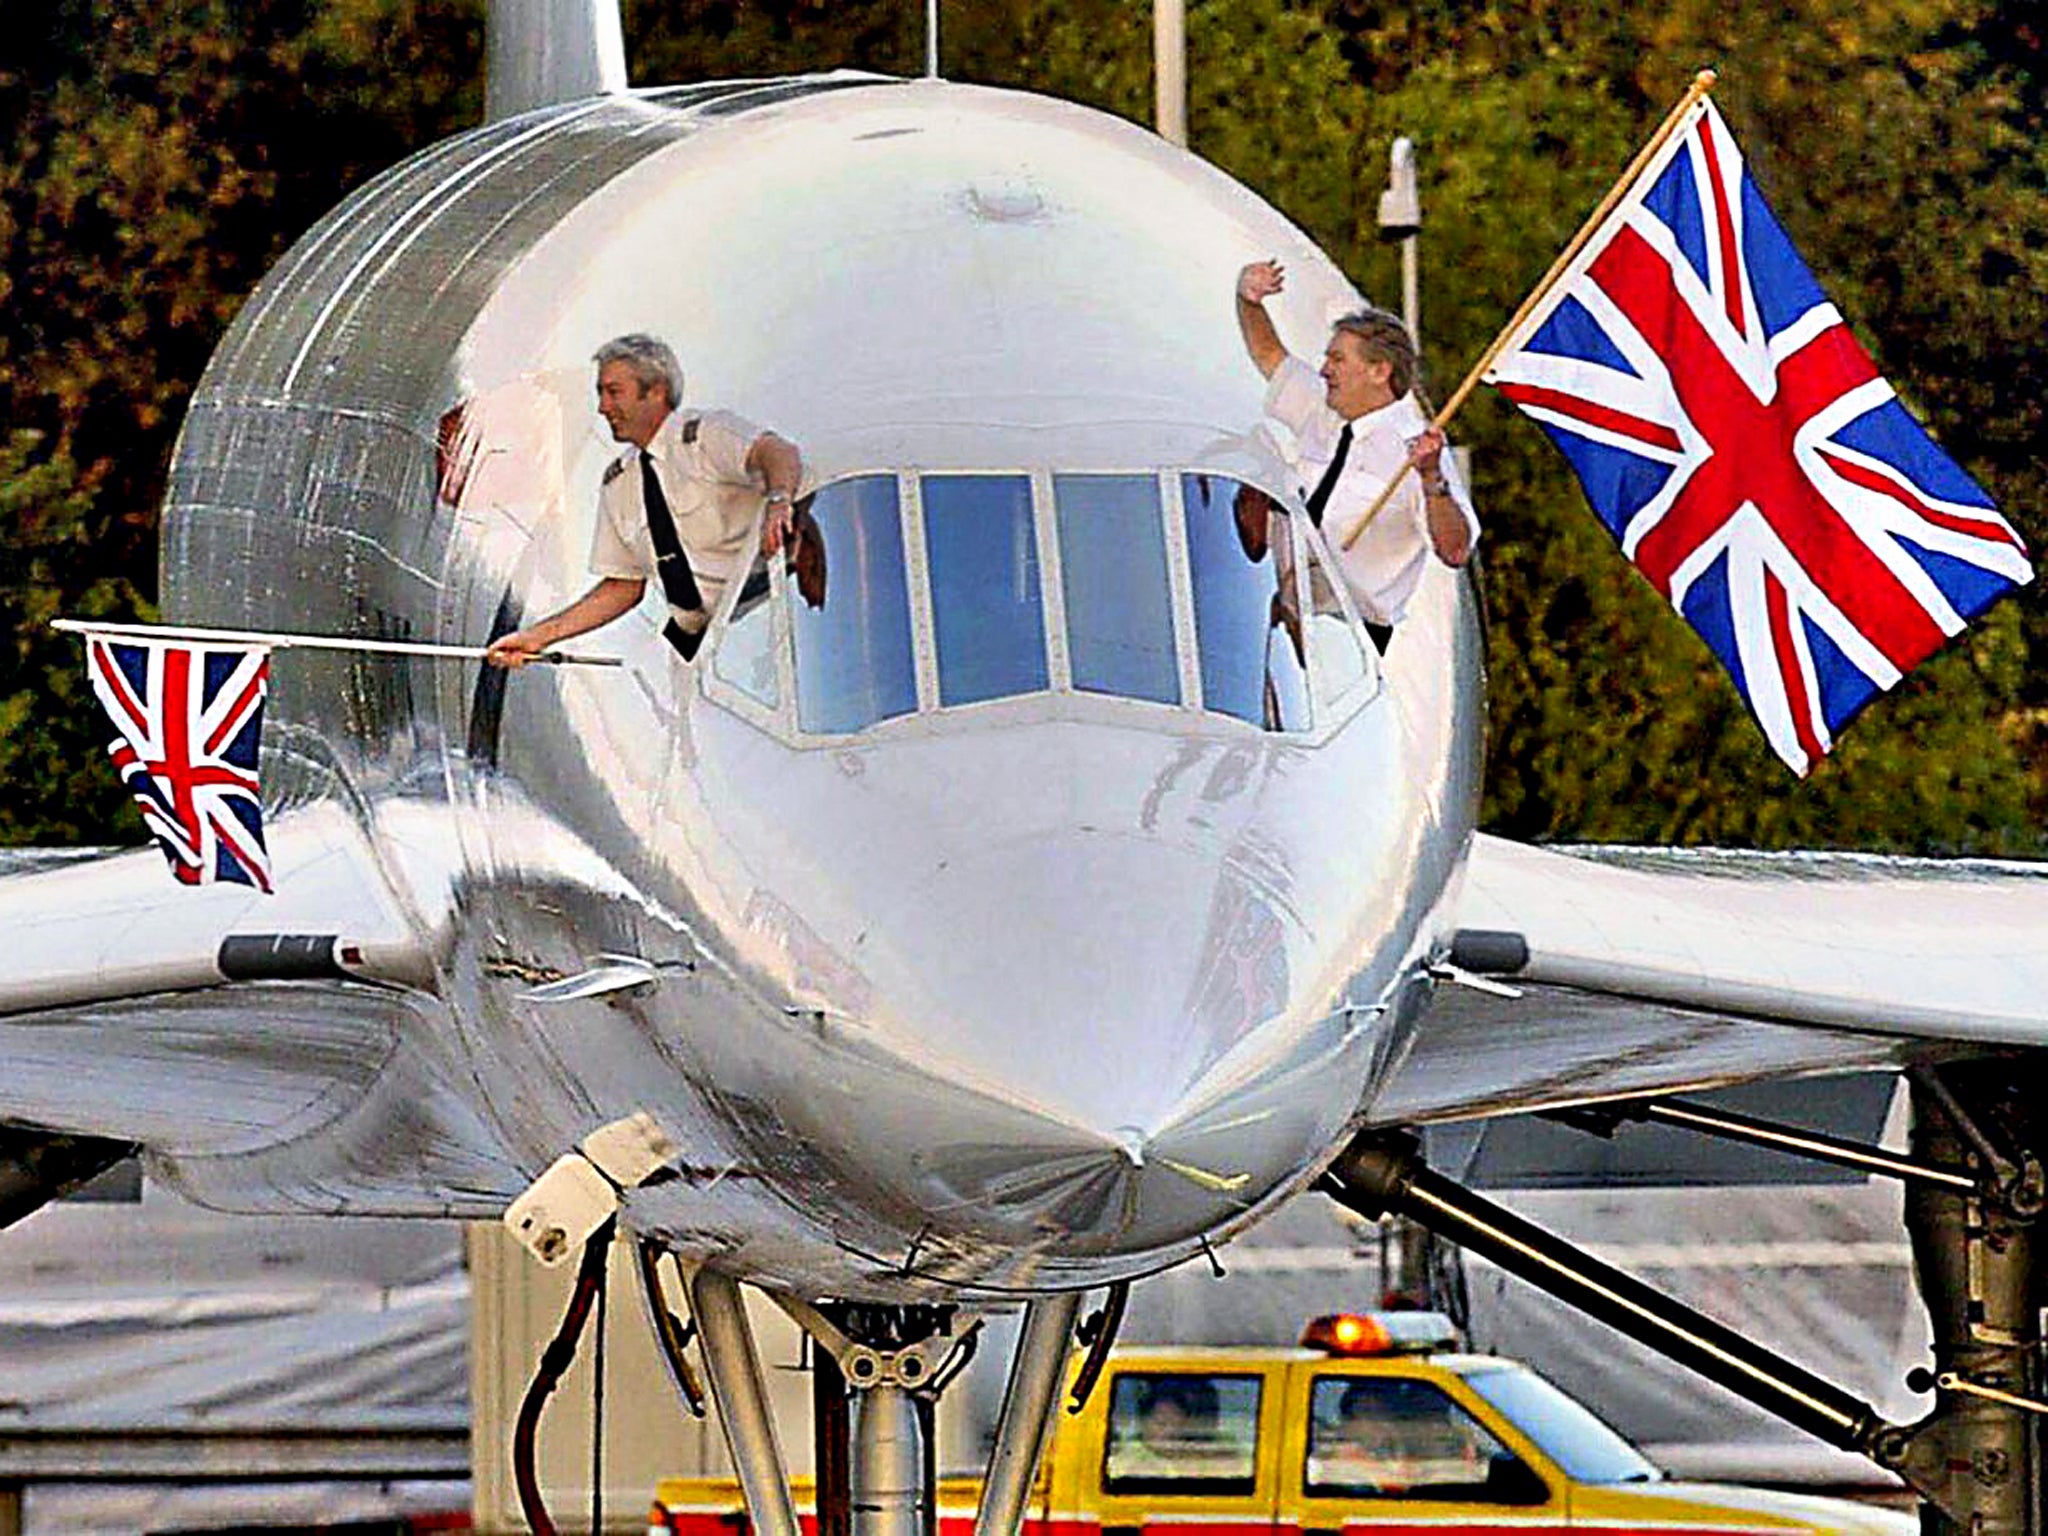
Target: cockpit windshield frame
(750,662)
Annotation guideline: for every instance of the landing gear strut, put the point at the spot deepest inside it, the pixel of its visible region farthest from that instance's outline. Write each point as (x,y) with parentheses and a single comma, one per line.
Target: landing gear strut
(1977,1458)
(878,1371)
(1976,1191)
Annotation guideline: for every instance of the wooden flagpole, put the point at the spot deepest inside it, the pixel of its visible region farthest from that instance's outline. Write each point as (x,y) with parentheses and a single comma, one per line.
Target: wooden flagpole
(1702,83)
(310,642)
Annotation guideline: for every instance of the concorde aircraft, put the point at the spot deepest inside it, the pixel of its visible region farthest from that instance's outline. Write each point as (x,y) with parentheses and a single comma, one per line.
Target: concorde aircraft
(1024,913)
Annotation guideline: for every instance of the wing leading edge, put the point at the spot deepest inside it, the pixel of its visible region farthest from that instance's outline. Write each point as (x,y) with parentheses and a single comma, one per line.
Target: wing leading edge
(268,1053)
(1650,971)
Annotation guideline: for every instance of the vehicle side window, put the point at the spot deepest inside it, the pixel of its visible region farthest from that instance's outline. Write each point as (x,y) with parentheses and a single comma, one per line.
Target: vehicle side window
(1180,1432)
(1570,1434)
(1119,597)
(850,612)
(1391,1437)
(989,619)
(1247,620)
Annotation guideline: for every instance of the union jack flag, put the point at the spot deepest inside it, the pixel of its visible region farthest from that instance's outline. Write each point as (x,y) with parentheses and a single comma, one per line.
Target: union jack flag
(1739,444)
(189,718)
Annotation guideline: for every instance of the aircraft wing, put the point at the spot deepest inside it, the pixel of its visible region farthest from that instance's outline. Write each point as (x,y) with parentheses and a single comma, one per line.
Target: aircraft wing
(264,1049)
(1654,970)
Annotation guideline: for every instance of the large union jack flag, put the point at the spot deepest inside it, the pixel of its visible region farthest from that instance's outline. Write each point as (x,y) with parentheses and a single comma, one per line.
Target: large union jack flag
(189,719)
(1737,441)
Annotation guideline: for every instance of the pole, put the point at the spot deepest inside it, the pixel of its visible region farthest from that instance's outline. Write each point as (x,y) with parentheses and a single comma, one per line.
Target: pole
(1702,83)
(284,642)
(931,39)
(888,1465)
(1170,70)
(1411,291)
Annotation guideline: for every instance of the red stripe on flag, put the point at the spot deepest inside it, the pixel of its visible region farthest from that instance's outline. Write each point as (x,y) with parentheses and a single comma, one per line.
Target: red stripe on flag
(1987,527)
(252,864)
(117,684)
(177,710)
(1790,672)
(237,716)
(1618,422)
(1731,260)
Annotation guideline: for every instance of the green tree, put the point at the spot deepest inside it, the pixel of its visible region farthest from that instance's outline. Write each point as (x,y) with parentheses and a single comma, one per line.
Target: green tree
(155,160)
(1900,145)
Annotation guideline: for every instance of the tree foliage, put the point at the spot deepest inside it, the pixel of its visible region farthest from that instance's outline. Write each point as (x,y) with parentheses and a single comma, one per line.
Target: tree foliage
(157,157)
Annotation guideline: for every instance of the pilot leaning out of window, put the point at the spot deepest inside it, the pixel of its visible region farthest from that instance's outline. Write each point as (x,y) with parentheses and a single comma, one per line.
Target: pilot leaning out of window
(678,505)
(1353,424)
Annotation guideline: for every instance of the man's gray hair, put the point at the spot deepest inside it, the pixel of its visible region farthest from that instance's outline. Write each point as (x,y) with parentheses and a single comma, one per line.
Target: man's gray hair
(1386,340)
(650,359)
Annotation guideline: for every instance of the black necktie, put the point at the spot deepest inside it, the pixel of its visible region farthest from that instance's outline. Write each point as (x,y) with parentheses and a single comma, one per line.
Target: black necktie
(678,584)
(1320,496)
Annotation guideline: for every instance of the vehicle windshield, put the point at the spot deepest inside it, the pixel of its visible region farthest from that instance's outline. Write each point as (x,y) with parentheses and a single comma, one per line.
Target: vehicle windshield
(909,594)
(1567,1431)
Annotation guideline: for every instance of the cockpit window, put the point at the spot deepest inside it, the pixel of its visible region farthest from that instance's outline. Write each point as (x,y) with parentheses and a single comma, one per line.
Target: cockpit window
(986,606)
(855,663)
(1247,629)
(1114,577)
(1178,590)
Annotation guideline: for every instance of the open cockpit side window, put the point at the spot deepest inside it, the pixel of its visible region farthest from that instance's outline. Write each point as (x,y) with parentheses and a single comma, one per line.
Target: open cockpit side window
(1246,578)
(912,594)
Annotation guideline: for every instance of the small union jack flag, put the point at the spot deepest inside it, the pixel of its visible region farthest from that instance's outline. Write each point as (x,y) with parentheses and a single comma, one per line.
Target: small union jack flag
(189,718)
(1739,444)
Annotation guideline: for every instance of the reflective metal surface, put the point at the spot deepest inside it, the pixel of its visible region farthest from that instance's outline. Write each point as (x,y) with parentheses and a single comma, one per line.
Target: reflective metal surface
(542,53)
(1031,888)
(997,931)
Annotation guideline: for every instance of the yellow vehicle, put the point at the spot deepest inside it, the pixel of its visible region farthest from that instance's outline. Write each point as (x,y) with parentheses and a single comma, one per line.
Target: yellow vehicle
(1372,1428)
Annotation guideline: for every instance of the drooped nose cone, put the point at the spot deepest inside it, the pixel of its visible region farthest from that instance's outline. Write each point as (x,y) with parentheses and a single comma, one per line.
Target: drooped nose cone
(1135,1006)
(1072,1008)
(1099,977)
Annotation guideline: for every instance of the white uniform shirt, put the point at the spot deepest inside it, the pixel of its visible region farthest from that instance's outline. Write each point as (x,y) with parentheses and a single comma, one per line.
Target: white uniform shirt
(1386,564)
(714,500)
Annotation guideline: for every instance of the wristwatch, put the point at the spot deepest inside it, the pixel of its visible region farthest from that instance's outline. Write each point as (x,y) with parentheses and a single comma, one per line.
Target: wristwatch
(774,496)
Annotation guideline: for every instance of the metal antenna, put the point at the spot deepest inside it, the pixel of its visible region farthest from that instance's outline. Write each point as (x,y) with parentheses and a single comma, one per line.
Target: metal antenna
(931,39)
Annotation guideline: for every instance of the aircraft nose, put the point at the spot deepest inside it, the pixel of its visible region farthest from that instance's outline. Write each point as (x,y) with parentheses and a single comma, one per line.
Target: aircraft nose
(1084,1042)
(1096,976)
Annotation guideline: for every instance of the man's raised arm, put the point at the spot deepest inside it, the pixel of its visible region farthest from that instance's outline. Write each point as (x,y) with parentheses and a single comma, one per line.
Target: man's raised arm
(1255,284)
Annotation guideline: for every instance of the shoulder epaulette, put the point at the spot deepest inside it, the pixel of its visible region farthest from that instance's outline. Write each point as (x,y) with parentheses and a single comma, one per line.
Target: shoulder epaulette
(613,470)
